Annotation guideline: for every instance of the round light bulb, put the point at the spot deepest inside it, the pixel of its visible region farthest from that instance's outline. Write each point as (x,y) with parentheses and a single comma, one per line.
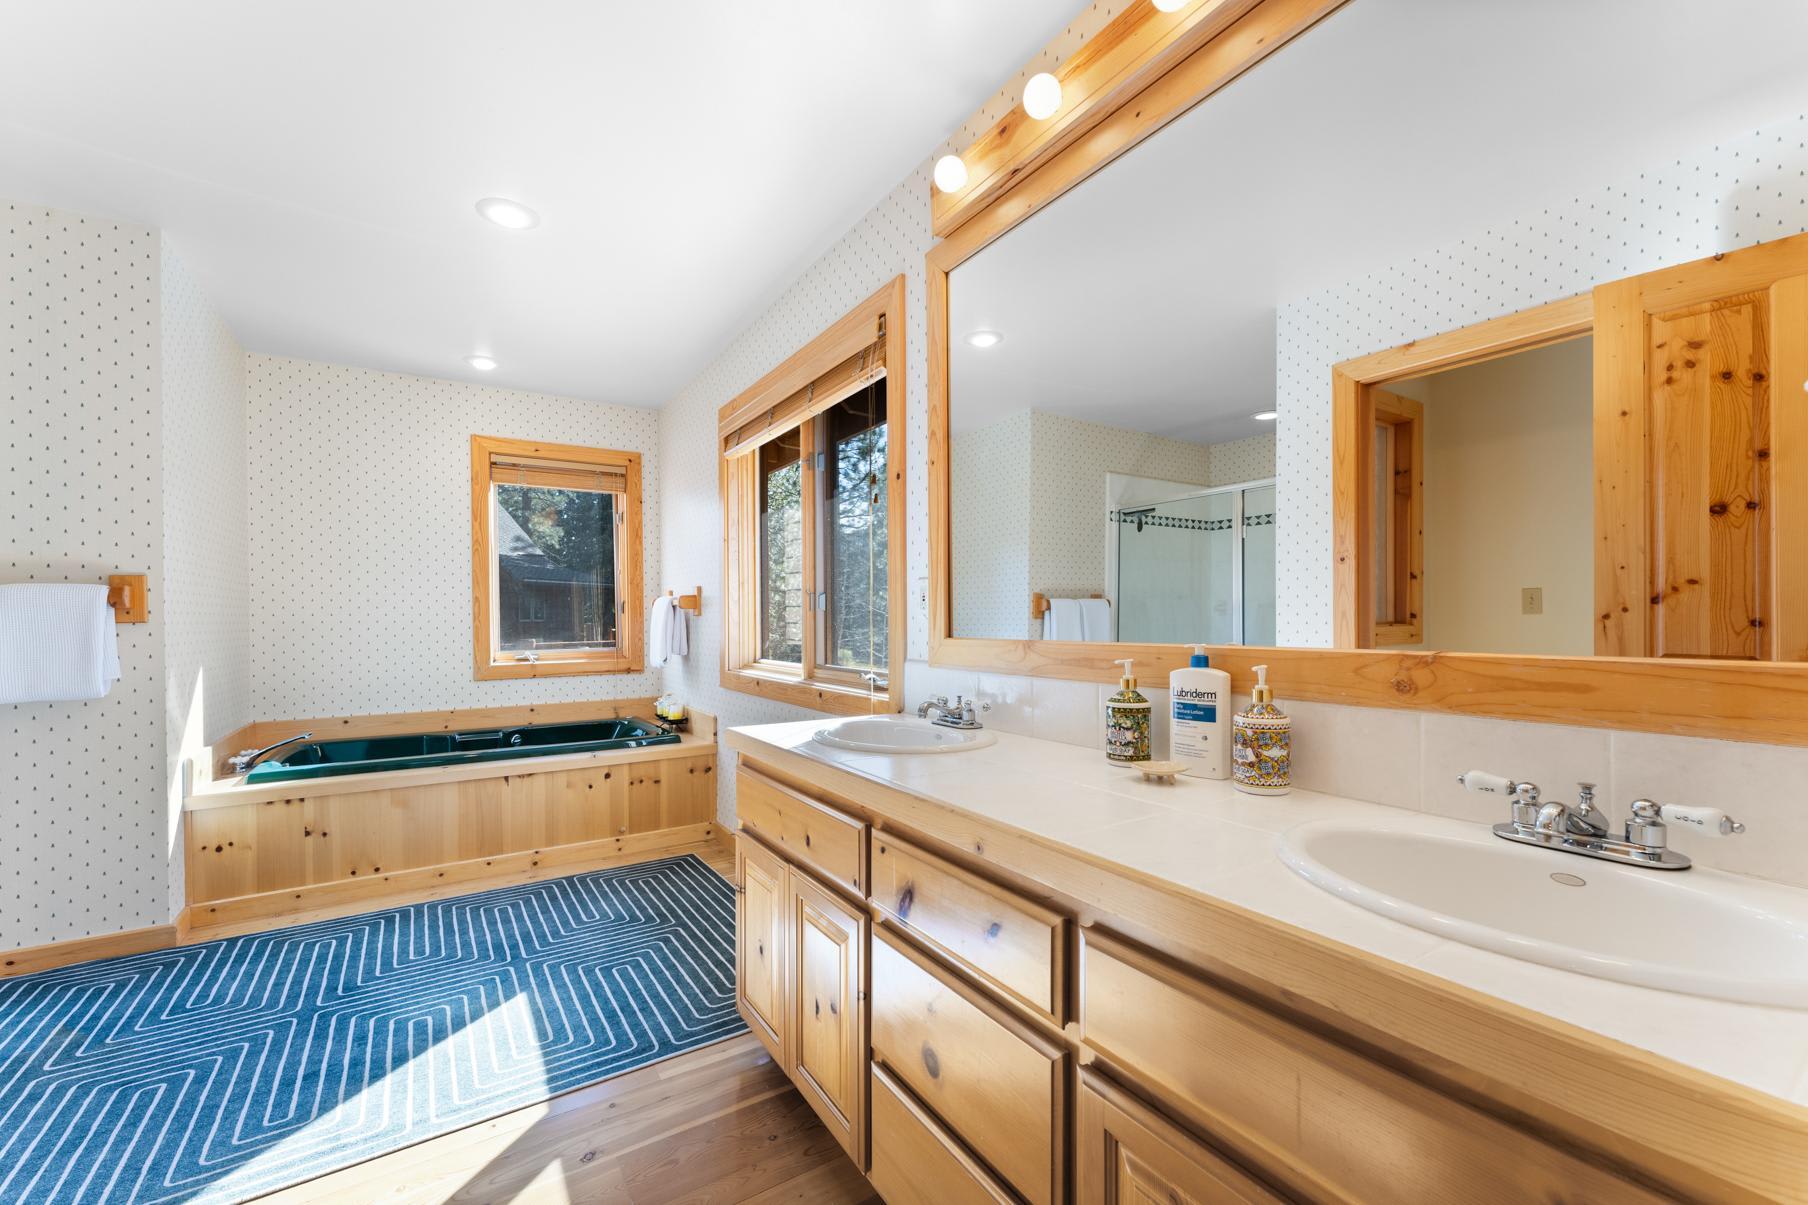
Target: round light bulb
(481,363)
(511,215)
(1266,416)
(950,173)
(985,339)
(1042,95)
(1170,6)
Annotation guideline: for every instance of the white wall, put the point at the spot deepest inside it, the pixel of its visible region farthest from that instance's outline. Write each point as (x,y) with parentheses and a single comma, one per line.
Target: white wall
(989,475)
(1509,503)
(206,556)
(82,784)
(1749,187)
(361,536)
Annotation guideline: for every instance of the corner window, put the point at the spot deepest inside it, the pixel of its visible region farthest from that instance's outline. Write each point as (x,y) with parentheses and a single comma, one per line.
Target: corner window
(812,461)
(556,559)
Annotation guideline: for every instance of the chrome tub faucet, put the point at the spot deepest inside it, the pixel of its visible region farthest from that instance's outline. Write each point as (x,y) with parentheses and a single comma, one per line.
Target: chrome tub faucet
(242,761)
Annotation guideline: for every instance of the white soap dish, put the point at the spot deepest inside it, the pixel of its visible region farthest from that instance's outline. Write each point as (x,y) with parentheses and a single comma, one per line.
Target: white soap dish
(1160,771)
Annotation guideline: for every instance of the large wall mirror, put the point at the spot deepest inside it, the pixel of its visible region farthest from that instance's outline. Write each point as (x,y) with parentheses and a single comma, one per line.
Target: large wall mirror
(1316,366)
(1142,437)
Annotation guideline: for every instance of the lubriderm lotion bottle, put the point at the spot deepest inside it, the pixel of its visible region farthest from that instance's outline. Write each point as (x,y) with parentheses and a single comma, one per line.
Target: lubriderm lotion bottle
(1199,717)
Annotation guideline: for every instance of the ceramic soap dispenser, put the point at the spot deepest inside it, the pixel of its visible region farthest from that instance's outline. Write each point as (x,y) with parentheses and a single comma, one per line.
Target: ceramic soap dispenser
(1127,721)
(1262,743)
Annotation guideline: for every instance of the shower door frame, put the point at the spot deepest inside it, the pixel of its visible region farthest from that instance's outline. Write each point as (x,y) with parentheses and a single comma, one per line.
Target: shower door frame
(1115,545)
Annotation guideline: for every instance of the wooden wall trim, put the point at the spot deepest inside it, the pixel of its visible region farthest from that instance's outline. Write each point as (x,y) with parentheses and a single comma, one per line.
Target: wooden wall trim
(30,959)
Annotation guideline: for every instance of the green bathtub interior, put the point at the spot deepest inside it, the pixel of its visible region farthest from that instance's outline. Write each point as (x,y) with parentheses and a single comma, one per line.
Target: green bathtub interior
(323,759)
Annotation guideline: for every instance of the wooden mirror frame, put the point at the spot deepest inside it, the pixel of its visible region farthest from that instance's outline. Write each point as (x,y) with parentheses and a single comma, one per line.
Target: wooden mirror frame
(1730,700)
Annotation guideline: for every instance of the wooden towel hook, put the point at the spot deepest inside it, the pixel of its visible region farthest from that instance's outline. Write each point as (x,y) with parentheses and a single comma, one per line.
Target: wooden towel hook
(692,602)
(128,595)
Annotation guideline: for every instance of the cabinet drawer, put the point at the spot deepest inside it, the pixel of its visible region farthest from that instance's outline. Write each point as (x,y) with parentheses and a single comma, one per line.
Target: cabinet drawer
(916,1162)
(1129,1153)
(998,1087)
(1008,940)
(1313,1115)
(807,832)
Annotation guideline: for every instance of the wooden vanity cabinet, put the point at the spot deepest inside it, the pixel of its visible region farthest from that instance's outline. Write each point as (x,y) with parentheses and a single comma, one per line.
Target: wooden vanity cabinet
(801,950)
(828,940)
(761,889)
(1324,1121)
(1126,1153)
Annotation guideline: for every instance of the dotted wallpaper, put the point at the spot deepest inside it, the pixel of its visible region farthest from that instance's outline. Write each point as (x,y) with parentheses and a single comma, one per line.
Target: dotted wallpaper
(360,535)
(206,554)
(81,784)
(1746,189)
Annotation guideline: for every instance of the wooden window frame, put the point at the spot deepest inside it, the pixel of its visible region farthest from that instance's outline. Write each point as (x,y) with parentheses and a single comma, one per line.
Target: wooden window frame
(779,402)
(627,656)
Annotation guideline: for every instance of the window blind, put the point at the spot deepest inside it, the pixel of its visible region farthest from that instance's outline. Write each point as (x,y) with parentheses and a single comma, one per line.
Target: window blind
(558,475)
(844,380)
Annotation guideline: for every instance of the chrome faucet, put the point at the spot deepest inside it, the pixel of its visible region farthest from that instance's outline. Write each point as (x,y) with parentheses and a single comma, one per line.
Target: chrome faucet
(1583,829)
(244,759)
(962,713)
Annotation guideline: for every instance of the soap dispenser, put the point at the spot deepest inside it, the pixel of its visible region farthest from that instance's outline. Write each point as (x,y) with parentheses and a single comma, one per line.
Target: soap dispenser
(1199,717)
(1127,721)
(1263,740)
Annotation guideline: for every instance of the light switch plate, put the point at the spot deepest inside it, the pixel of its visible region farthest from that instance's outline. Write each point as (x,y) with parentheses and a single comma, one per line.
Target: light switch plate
(1531,600)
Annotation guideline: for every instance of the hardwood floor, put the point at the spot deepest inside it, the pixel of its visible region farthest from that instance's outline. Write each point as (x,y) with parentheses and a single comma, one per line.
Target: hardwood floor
(720,1124)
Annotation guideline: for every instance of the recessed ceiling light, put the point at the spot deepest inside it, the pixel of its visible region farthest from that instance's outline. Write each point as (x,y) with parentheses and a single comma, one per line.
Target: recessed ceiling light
(1042,95)
(481,363)
(1266,416)
(506,213)
(950,173)
(985,339)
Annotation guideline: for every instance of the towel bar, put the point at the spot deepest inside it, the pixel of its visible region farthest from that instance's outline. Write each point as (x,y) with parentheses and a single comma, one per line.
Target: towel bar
(1039,604)
(128,595)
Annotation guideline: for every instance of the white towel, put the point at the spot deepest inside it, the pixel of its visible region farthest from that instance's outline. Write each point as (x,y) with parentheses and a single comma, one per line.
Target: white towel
(1095,619)
(58,643)
(659,631)
(1063,620)
(681,633)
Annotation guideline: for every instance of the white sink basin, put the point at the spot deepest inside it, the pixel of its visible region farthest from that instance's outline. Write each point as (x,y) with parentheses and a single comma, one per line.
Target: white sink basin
(1695,931)
(902,734)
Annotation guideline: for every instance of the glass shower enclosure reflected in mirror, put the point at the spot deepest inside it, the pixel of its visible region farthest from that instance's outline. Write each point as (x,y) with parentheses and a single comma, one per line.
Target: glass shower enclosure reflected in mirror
(1197,566)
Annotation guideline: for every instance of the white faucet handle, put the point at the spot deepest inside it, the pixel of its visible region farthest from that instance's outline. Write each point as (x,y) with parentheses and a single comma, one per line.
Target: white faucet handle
(1491,784)
(1712,821)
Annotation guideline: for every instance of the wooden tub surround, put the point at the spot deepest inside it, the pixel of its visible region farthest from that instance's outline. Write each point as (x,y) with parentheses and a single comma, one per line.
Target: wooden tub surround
(264,850)
(1019,974)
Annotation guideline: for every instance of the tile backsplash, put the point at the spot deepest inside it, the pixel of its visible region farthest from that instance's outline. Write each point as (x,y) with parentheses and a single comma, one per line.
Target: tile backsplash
(1410,759)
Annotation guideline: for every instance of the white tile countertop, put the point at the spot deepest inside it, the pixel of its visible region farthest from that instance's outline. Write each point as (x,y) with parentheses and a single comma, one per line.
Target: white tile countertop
(1205,837)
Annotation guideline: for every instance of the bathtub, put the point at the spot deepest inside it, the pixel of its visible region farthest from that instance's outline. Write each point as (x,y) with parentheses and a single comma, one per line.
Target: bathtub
(321,759)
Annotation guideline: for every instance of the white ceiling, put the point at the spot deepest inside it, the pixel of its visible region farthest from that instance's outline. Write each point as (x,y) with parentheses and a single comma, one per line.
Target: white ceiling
(1146,297)
(317,163)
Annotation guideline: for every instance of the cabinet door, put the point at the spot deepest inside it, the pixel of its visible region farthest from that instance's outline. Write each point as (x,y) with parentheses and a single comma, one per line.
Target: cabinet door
(760,931)
(1128,1155)
(828,1032)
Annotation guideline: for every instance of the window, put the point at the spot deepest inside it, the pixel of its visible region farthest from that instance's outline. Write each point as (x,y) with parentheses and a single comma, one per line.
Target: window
(812,461)
(556,559)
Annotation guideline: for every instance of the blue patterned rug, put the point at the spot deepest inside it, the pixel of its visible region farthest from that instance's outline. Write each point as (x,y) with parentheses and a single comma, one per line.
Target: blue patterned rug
(217,1072)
